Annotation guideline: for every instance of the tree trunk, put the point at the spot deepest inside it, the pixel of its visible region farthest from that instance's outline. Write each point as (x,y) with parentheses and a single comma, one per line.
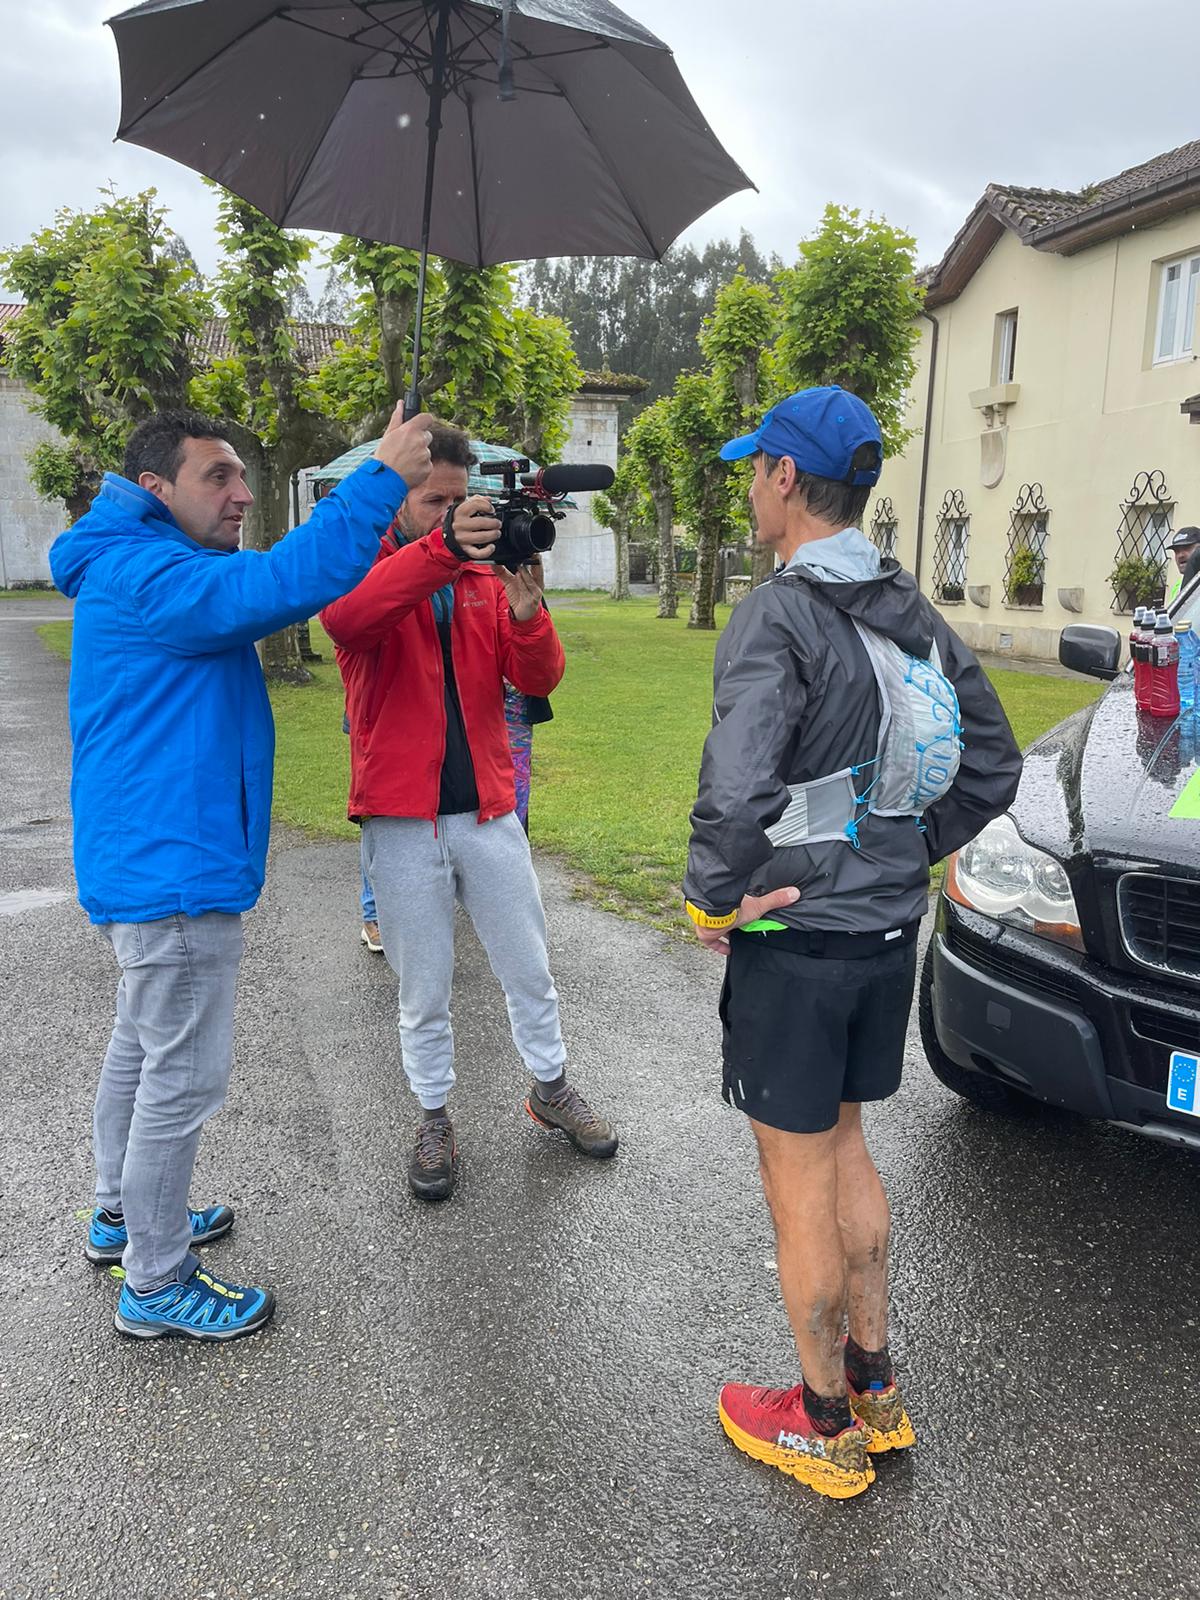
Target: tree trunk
(304,638)
(762,564)
(708,540)
(265,524)
(620,588)
(668,596)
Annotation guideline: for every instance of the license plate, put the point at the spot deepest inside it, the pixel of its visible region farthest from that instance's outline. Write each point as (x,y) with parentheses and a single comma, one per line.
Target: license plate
(1181,1082)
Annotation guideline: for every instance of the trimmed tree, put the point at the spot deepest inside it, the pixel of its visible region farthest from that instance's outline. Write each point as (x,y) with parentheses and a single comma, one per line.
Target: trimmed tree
(737,341)
(849,310)
(648,459)
(106,335)
(263,389)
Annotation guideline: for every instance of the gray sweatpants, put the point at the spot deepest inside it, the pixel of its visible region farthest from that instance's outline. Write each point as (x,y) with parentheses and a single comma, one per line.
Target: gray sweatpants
(165,1073)
(418,872)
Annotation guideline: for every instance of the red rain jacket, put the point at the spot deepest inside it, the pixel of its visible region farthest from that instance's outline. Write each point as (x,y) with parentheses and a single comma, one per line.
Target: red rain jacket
(391,663)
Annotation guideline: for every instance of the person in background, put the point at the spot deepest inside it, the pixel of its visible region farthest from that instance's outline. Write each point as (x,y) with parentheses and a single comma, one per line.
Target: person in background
(1184,545)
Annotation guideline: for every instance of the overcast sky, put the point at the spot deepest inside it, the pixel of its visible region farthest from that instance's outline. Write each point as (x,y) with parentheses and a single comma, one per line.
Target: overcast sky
(906,108)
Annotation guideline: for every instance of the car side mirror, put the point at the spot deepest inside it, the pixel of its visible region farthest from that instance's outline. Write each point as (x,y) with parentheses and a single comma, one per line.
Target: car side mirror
(1087,648)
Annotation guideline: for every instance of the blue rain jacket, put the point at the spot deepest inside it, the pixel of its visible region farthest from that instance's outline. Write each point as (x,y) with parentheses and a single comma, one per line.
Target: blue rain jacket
(170,724)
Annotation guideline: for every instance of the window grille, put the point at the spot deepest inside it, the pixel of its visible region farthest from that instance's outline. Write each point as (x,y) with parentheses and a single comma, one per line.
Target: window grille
(950,549)
(1146,519)
(884,528)
(1028,537)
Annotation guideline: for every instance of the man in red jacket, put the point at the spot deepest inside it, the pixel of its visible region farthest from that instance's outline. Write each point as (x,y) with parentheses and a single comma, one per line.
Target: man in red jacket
(424,645)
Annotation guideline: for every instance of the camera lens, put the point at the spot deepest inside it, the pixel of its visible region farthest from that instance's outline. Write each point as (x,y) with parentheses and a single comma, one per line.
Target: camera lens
(531,533)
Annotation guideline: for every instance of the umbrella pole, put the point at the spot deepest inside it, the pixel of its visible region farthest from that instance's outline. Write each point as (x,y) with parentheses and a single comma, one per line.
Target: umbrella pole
(412,400)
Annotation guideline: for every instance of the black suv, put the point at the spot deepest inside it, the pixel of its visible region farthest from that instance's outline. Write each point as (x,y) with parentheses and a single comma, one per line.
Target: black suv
(1065,960)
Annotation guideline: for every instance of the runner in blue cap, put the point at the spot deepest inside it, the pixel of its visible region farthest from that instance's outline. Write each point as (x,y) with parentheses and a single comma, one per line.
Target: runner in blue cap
(855,740)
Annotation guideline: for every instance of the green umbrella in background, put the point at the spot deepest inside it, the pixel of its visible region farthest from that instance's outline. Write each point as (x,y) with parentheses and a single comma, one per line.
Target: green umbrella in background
(476,482)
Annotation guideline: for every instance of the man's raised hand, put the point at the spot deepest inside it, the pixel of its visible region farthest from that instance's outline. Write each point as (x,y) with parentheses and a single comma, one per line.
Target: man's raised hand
(472,529)
(405,446)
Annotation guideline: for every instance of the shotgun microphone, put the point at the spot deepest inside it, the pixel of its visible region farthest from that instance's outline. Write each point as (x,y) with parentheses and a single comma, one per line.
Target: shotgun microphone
(566,479)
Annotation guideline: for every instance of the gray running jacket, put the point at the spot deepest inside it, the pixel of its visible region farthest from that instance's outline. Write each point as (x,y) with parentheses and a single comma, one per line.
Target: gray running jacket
(795,698)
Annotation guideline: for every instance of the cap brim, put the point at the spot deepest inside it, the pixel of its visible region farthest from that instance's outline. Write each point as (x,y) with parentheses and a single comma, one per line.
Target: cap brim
(738,449)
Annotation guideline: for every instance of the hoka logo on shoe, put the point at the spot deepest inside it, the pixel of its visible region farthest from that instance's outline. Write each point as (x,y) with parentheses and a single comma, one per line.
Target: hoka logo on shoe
(801,1442)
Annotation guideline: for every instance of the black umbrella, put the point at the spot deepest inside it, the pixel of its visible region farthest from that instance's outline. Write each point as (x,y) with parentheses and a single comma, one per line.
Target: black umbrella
(557,127)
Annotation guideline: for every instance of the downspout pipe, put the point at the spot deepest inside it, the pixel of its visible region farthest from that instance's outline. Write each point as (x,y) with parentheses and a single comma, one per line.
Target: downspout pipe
(925,442)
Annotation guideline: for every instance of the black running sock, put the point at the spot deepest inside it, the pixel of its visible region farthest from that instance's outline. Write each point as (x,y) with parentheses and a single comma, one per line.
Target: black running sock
(547,1091)
(115,1219)
(438,1113)
(865,1367)
(828,1413)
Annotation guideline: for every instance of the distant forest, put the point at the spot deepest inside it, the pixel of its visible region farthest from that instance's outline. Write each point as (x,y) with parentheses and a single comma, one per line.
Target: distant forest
(640,317)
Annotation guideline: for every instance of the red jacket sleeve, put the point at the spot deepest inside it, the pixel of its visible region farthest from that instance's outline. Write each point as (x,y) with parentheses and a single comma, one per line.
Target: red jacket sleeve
(392,588)
(531,653)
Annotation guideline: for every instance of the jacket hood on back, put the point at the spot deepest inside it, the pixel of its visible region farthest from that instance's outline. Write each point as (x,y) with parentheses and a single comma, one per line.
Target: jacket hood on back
(122,510)
(891,604)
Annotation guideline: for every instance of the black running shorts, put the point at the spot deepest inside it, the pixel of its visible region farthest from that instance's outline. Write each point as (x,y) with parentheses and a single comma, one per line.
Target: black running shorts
(803,1032)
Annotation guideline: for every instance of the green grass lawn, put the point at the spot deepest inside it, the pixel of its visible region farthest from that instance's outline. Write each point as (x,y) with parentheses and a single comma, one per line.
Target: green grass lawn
(614,774)
(30,594)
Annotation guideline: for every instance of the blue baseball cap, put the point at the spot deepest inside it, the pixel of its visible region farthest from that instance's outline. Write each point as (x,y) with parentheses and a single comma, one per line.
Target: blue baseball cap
(820,429)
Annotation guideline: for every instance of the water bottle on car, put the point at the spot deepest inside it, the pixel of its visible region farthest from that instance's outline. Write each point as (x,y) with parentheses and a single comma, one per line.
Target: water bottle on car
(1189,646)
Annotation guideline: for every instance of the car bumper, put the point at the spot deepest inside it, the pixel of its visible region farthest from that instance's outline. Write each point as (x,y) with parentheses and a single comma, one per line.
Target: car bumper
(1057,1026)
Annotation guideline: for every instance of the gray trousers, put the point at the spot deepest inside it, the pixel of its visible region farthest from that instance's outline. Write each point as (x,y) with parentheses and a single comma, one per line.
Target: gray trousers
(418,872)
(165,1073)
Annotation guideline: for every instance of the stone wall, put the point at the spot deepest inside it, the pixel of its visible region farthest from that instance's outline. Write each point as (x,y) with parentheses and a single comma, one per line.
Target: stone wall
(28,524)
(584,556)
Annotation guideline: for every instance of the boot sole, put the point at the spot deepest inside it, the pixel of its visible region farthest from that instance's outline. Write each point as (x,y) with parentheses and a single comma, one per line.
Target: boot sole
(146,1330)
(112,1258)
(836,1483)
(597,1152)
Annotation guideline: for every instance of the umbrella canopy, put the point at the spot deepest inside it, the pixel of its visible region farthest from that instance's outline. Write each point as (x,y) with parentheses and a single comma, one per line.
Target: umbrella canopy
(562,127)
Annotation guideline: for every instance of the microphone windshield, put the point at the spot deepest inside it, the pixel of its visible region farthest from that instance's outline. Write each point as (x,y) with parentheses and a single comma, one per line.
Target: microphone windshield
(567,479)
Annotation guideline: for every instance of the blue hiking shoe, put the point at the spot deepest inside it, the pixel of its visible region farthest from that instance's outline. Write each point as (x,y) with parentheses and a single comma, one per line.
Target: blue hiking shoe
(106,1238)
(203,1308)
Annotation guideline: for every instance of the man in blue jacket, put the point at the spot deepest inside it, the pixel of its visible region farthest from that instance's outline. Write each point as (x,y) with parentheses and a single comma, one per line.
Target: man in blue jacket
(171,797)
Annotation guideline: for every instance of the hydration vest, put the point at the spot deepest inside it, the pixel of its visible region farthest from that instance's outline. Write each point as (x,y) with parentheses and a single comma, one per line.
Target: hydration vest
(915,763)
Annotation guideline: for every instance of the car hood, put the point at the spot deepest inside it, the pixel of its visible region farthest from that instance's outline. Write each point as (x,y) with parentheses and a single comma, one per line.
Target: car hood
(1103,783)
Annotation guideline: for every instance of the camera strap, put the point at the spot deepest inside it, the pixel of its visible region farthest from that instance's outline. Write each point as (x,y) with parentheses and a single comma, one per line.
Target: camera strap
(452,544)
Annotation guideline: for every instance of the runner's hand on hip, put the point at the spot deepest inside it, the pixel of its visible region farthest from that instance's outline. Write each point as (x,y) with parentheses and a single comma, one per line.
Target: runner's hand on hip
(752,907)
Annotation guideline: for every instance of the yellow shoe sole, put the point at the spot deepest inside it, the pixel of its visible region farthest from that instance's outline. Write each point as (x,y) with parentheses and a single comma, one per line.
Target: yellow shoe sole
(902,1437)
(837,1483)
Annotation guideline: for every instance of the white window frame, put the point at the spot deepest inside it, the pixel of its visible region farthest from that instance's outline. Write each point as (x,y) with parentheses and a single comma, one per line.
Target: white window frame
(1178,330)
(1006,346)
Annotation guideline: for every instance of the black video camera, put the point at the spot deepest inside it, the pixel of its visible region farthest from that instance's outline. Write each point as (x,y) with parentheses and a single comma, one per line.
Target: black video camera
(528,511)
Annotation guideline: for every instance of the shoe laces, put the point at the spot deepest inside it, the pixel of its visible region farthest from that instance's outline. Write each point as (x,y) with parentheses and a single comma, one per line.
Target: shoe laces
(779,1399)
(432,1137)
(569,1100)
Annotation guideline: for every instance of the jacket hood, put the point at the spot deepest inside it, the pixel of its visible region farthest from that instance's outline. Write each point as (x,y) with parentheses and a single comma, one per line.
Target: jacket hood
(890,604)
(121,511)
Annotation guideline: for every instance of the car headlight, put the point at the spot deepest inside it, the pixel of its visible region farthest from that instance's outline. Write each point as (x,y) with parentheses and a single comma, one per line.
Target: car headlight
(1001,876)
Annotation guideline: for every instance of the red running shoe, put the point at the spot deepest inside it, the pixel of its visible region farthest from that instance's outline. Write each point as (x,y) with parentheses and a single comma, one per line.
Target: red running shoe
(772,1426)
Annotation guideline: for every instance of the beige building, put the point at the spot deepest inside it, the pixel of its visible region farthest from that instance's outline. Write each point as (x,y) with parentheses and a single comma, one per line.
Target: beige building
(1055,388)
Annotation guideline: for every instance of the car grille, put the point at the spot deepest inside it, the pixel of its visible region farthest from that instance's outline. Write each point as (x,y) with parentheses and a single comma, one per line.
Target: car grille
(1160,922)
(1166,1028)
(1011,967)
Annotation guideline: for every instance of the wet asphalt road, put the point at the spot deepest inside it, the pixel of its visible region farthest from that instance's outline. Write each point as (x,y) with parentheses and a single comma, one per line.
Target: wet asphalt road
(512,1395)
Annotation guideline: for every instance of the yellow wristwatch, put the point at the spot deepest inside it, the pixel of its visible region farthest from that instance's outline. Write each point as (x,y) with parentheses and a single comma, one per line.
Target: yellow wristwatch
(705,919)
